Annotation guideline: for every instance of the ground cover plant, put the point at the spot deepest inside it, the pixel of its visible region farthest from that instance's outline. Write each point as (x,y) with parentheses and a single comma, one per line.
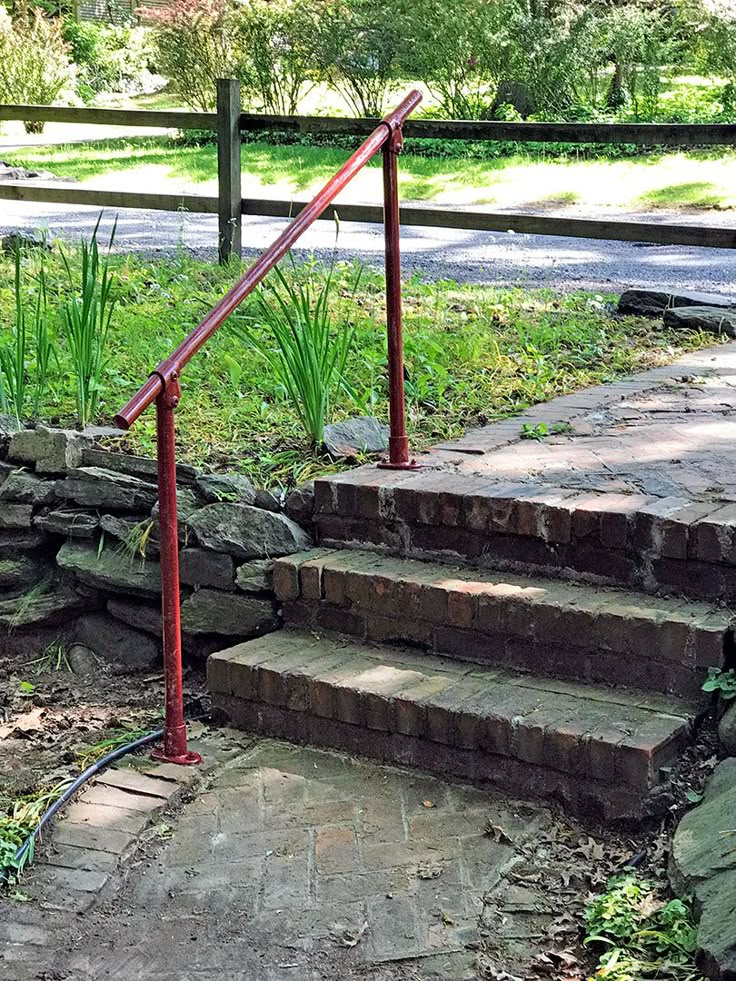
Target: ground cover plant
(473,354)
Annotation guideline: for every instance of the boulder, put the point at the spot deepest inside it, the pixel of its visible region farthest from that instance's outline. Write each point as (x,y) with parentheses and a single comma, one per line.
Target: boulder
(143,616)
(218,487)
(16,516)
(352,437)
(255,576)
(246,532)
(117,644)
(300,505)
(94,487)
(144,467)
(208,611)
(25,488)
(52,451)
(71,524)
(198,567)
(8,426)
(110,570)
(82,660)
(716,320)
(651,303)
(703,863)
(727,729)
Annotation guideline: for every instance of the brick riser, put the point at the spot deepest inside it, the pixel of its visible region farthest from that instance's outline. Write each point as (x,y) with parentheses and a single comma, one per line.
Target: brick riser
(544,627)
(665,545)
(597,758)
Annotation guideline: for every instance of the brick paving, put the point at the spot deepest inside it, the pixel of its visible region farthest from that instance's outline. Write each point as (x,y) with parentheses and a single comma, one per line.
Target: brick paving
(291,863)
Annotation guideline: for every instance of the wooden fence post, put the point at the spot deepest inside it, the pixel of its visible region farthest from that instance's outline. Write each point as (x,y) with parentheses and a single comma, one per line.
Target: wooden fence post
(228,168)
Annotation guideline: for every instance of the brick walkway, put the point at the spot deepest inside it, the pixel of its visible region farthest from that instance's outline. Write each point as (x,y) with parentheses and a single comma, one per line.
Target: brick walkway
(664,433)
(298,863)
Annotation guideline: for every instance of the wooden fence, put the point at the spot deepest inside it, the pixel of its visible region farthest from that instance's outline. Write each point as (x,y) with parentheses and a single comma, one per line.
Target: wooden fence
(228,123)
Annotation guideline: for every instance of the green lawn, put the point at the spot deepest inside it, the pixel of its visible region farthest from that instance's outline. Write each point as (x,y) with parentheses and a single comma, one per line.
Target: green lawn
(473,354)
(695,179)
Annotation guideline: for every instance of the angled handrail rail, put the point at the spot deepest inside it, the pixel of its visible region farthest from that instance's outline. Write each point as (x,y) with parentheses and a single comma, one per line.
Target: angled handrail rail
(162,387)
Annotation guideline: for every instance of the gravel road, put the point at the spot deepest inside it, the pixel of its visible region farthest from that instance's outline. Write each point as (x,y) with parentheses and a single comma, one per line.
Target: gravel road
(481,257)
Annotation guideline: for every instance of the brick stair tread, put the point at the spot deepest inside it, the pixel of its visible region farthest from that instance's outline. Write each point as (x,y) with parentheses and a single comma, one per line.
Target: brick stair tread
(622,738)
(571,629)
(675,543)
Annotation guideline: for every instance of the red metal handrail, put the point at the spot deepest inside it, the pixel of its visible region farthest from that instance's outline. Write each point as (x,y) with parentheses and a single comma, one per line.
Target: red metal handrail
(163,388)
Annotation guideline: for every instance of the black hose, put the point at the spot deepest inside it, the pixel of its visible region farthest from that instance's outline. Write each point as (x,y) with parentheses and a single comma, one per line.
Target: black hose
(73,787)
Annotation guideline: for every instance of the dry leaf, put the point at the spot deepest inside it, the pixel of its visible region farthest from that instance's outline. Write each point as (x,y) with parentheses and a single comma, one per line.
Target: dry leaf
(427,803)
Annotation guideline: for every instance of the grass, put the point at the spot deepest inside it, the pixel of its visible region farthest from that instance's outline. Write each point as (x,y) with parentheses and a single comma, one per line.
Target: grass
(473,354)
(693,179)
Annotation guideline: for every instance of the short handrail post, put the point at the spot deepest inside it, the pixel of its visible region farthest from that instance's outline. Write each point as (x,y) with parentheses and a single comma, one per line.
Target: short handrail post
(174,749)
(228,169)
(398,441)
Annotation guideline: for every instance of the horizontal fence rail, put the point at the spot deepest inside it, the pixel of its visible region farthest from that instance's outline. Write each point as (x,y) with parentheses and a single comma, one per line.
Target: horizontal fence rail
(228,124)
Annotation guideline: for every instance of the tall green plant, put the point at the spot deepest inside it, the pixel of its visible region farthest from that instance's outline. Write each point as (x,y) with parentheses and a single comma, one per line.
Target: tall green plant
(305,344)
(86,320)
(26,357)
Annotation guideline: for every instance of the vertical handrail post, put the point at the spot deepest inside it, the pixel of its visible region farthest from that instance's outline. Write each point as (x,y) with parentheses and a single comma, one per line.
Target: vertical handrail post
(398,442)
(174,749)
(228,169)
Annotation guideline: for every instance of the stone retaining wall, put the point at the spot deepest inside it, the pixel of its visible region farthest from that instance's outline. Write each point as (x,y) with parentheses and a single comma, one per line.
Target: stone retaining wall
(79,557)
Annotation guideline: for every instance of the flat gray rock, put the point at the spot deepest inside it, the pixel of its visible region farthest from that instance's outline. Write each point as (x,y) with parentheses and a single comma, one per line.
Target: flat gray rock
(715,320)
(71,524)
(221,487)
(651,303)
(55,604)
(246,532)
(136,466)
(95,487)
(25,488)
(142,616)
(352,437)
(112,570)
(255,576)
(198,567)
(208,611)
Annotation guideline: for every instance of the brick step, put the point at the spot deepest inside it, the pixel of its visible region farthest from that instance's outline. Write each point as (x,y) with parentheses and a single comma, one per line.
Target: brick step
(545,626)
(598,751)
(673,545)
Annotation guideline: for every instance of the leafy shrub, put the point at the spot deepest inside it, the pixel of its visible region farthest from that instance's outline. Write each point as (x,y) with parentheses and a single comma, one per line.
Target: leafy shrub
(193,47)
(362,47)
(276,47)
(643,936)
(34,62)
(109,57)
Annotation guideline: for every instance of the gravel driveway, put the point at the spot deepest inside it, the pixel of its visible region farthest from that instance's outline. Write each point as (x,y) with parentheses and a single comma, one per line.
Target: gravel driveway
(466,256)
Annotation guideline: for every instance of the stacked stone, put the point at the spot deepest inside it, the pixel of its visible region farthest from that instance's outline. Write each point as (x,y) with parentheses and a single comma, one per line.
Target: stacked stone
(79,556)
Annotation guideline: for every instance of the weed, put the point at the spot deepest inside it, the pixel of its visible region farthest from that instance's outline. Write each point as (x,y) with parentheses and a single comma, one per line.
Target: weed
(54,658)
(723,682)
(304,347)
(116,738)
(538,431)
(18,368)
(641,934)
(136,540)
(27,601)
(18,819)
(86,319)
